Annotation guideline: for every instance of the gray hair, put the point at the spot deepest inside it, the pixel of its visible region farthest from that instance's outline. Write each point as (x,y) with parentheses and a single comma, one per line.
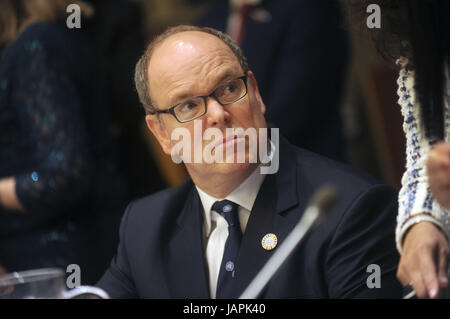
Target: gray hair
(140,75)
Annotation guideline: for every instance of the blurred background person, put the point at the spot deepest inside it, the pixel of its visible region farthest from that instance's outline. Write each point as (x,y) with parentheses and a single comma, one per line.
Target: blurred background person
(416,35)
(59,187)
(118,34)
(299,52)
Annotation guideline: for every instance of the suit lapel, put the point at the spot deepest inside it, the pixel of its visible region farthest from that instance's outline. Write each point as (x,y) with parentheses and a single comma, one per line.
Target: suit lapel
(185,265)
(276,210)
(270,214)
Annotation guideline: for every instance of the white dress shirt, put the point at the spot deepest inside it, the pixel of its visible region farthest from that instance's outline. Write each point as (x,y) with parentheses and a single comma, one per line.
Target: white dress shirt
(215,227)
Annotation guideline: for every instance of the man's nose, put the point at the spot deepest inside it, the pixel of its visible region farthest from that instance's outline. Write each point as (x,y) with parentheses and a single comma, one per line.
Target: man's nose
(216,114)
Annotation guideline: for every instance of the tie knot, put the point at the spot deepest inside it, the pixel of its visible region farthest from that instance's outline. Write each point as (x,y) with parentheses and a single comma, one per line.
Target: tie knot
(228,210)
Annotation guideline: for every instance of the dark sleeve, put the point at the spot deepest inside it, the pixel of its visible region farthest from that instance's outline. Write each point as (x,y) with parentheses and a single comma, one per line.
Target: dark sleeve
(117,280)
(365,236)
(49,108)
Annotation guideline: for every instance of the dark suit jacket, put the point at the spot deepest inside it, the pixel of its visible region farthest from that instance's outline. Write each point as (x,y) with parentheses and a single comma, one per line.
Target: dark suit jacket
(161,252)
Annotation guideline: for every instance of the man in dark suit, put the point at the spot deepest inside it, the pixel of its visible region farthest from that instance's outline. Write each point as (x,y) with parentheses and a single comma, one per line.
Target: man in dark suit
(204,238)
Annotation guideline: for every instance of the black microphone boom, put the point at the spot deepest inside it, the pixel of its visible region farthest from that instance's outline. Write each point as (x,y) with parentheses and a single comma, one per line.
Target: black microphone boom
(322,201)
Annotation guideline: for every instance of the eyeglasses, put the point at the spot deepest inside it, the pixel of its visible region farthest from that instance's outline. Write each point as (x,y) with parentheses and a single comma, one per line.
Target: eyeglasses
(227,93)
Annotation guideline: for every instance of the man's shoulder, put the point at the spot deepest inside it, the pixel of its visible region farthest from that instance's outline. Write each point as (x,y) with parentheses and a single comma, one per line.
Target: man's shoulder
(155,204)
(323,170)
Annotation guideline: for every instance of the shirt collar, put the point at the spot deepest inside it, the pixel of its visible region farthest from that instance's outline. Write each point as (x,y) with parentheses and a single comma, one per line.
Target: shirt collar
(244,195)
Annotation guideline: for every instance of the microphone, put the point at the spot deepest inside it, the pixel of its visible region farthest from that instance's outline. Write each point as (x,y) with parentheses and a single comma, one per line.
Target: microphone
(322,201)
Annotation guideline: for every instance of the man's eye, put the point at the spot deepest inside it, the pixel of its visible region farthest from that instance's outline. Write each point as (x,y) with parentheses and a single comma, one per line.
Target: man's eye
(188,106)
(229,89)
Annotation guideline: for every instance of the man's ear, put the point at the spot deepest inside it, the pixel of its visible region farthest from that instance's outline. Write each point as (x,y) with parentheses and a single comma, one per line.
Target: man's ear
(254,85)
(158,129)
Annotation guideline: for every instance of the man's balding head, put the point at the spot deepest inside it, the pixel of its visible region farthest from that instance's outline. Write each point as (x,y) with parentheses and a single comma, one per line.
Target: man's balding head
(142,75)
(188,69)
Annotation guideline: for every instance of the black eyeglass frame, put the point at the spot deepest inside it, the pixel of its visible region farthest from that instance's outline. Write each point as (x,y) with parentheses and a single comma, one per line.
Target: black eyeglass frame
(205,100)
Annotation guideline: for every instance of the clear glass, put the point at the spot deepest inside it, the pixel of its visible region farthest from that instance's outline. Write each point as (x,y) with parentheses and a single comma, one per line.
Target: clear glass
(45,283)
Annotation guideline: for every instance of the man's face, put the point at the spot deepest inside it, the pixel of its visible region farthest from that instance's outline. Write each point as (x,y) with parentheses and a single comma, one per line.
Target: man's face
(190,64)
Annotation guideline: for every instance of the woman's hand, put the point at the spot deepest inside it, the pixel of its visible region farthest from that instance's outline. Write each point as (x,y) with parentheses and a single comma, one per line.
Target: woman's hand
(438,171)
(423,264)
